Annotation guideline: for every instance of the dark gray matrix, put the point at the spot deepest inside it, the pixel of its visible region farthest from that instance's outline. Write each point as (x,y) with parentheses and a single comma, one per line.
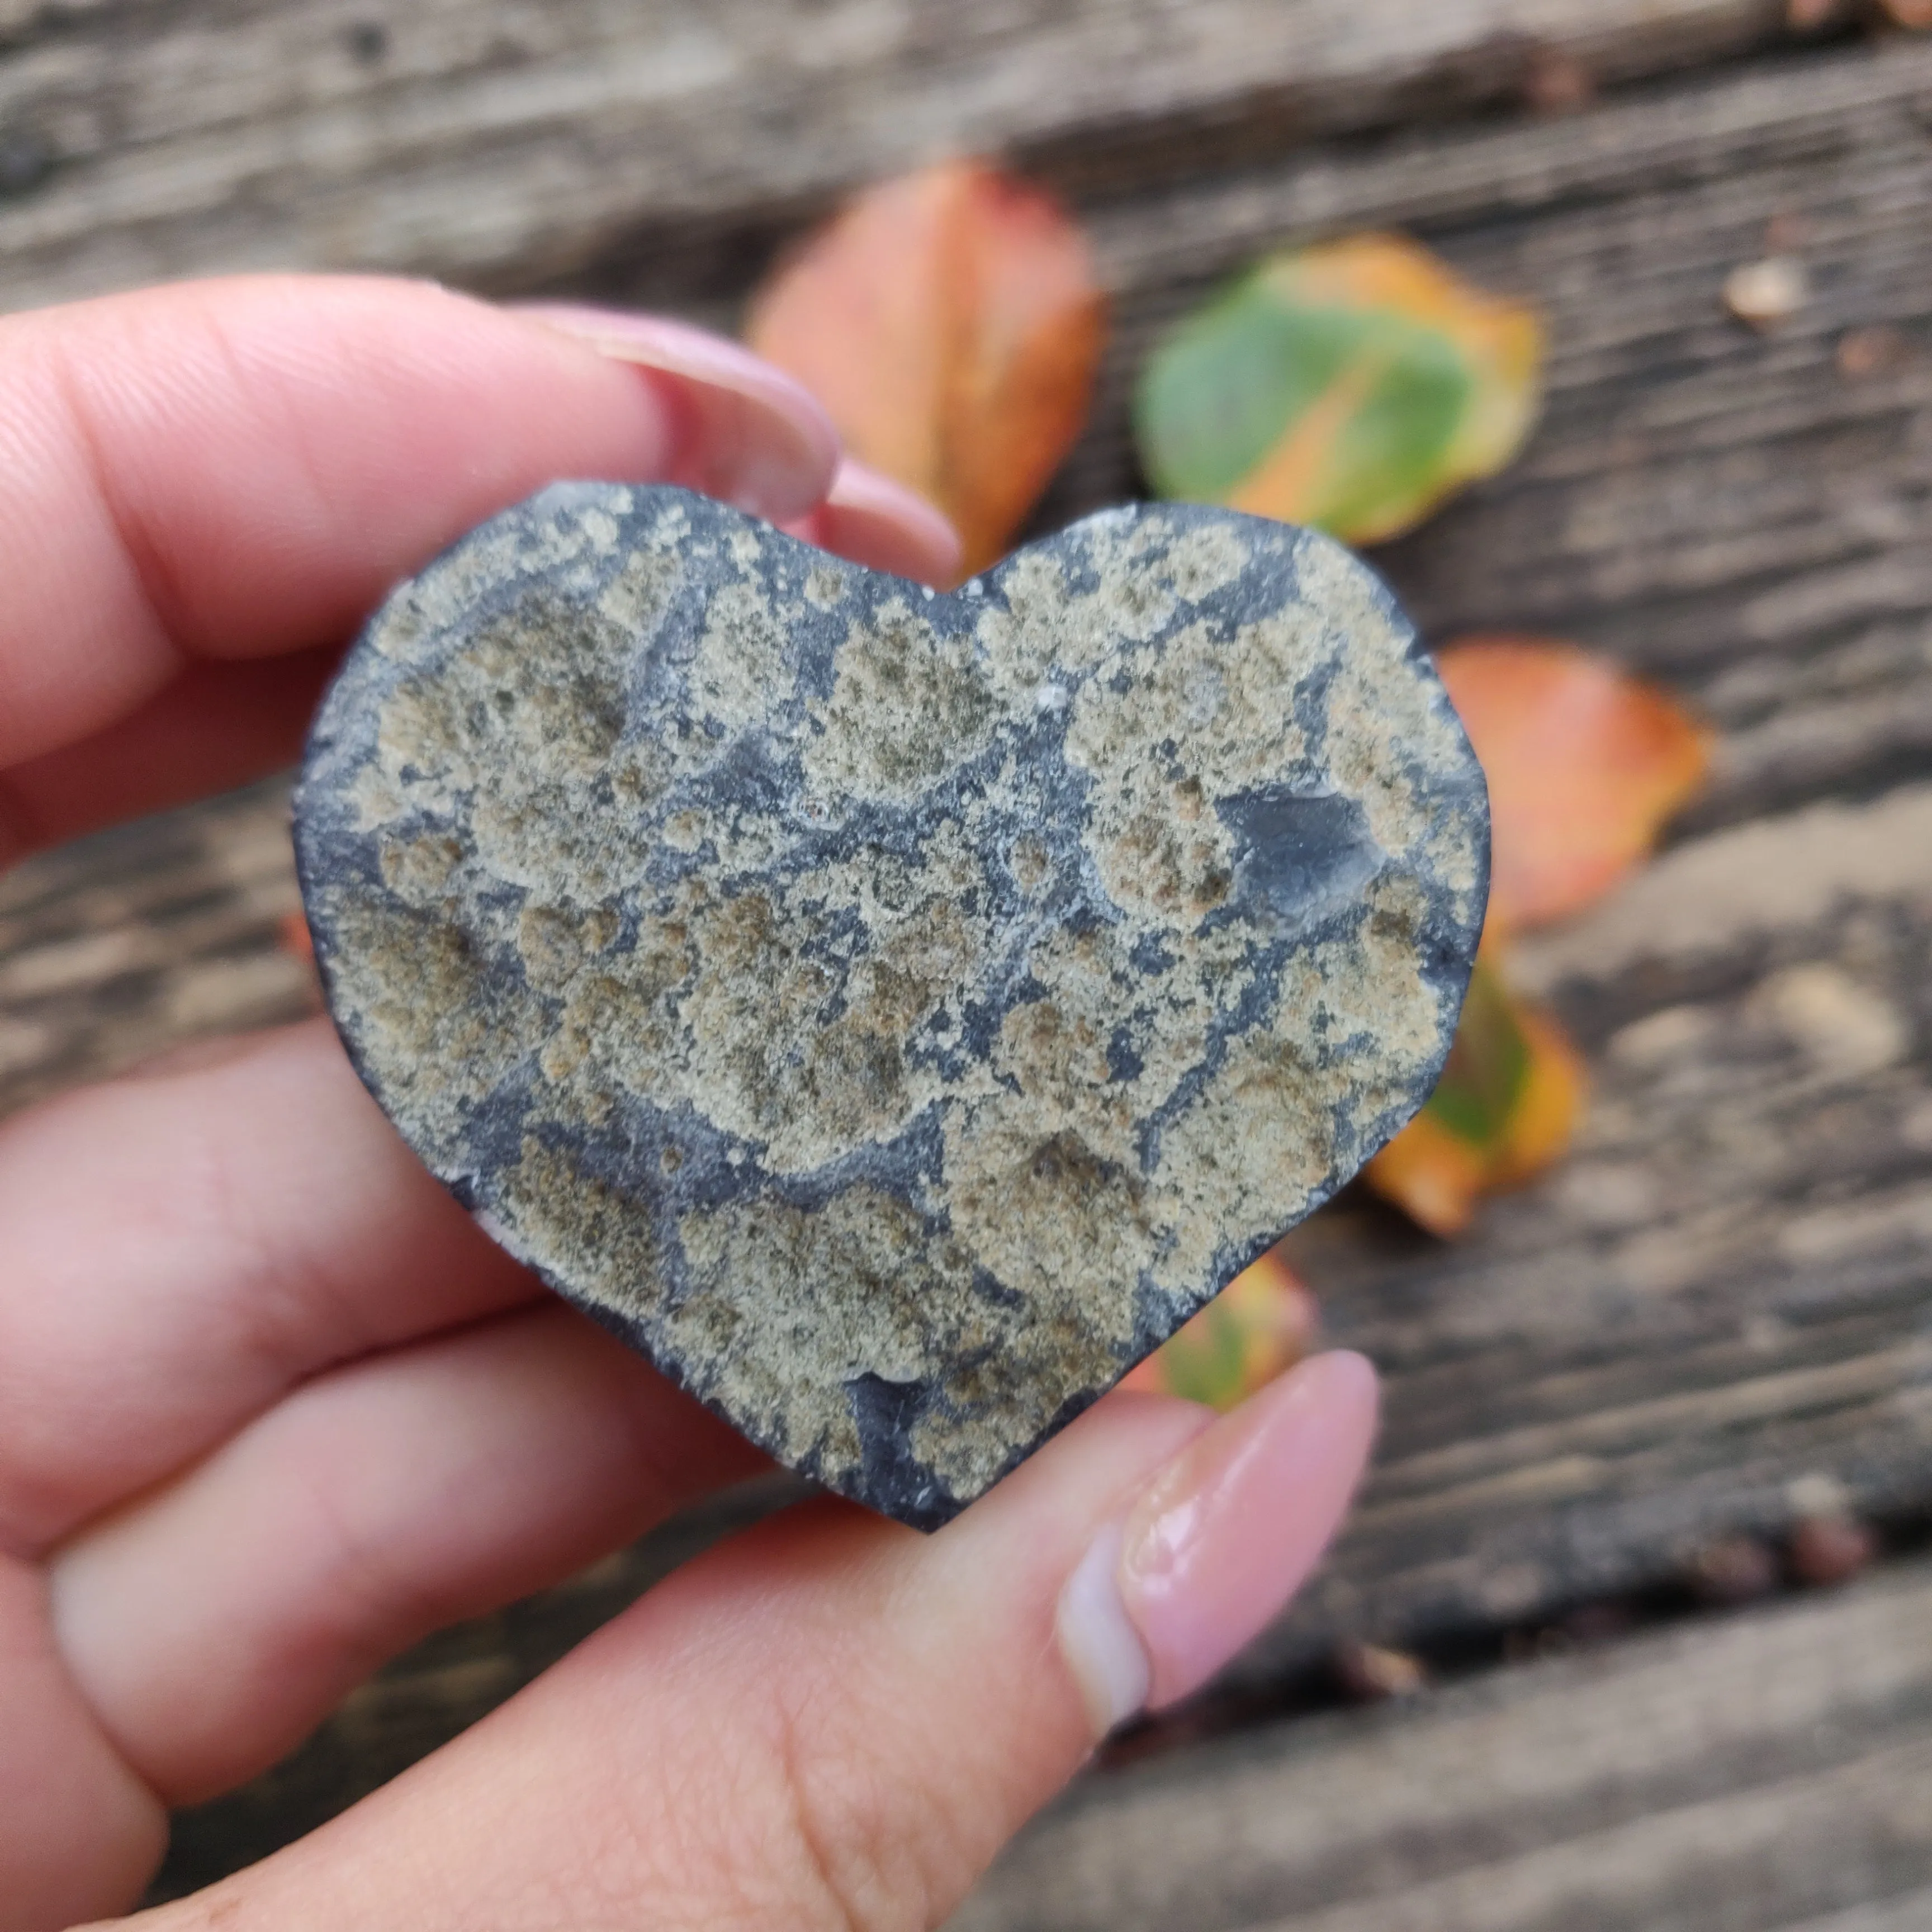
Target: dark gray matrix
(894,1014)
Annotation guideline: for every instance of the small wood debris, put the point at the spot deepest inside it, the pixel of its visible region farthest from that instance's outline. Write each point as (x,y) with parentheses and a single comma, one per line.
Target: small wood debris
(1864,353)
(1829,1549)
(1371,1674)
(1768,292)
(1733,1570)
(1556,81)
(1596,1623)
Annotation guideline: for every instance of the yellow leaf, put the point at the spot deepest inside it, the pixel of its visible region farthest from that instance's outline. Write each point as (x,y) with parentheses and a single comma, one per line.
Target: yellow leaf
(1544,1120)
(1506,1107)
(1262,1322)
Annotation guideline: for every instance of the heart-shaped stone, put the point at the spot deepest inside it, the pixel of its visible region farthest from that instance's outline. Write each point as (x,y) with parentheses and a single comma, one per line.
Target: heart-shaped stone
(895,1014)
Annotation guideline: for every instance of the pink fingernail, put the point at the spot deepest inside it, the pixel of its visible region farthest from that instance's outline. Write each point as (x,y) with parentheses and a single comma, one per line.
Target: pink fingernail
(1218,1541)
(1230,1529)
(1102,1650)
(750,434)
(874,521)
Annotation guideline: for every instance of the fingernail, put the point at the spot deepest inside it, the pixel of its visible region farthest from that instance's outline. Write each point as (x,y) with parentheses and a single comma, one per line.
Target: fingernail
(872,520)
(1102,1650)
(748,433)
(1218,1542)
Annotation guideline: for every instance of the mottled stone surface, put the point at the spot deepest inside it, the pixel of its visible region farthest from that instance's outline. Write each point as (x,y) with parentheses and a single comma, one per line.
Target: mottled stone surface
(893,1013)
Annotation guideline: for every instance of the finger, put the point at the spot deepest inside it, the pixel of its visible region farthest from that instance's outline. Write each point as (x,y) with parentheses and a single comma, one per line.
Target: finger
(866,517)
(182,1248)
(831,1722)
(226,471)
(214,727)
(79,1832)
(213,1625)
(871,519)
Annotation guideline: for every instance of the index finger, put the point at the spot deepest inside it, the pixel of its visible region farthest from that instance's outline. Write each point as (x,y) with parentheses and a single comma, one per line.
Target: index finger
(203,489)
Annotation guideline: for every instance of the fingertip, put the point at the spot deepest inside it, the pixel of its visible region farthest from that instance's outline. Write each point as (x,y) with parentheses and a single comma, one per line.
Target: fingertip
(749,434)
(1229,1530)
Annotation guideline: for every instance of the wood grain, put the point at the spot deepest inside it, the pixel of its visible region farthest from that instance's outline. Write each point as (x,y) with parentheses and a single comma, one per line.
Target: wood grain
(506,144)
(122,947)
(1774,1770)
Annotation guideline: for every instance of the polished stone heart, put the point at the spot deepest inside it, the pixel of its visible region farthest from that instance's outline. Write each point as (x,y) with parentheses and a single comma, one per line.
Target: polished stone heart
(894,1014)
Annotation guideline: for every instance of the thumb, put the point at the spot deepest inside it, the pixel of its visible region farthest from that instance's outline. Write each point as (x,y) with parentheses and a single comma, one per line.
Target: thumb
(833,1721)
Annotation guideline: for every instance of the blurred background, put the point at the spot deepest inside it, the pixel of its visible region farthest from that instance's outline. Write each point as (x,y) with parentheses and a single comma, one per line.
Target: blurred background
(1634,1626)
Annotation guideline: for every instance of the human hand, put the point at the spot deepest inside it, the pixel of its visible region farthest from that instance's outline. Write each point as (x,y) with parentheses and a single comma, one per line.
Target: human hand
(270,1406)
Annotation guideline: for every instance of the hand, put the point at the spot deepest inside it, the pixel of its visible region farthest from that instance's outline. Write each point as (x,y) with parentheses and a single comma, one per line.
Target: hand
(271,1407)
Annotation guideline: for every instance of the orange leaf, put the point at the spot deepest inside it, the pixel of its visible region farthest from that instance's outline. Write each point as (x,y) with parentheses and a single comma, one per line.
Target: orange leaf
(1585,765)
(950,322)
(1432,1174)
(1262,1322)
(1505,1108)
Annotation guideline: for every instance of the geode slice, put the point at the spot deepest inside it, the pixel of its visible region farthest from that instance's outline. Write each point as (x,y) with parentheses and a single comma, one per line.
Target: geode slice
(894,1014)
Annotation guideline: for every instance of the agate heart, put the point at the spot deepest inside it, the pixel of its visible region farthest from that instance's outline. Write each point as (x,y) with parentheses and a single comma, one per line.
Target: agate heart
(894,1014)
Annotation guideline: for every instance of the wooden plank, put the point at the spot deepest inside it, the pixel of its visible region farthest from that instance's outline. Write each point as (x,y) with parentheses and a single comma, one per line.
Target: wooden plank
(123,946)
(1774,1770)
(503,144)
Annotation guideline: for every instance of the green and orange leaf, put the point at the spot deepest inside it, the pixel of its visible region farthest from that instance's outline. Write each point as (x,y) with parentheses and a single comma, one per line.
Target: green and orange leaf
(1262,1322)
(951,323)
(1584,764)
(1505,1108)
(1351,386)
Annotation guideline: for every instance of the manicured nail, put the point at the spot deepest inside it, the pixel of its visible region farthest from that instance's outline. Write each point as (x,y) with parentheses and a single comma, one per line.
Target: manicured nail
(1218,1542)
(1102,1648)
(748,432)
(874,521)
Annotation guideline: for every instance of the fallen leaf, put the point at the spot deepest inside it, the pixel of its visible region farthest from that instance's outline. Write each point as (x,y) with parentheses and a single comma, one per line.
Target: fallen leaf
(951,323)
(1541,1125)
(1353,386)
(1505,1108)
(1262,1322)
(1584,764)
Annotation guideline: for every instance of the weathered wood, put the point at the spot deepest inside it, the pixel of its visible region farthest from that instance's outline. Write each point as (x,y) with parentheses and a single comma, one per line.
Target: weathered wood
(120,947)
(501,145)
(1770,1770)
(1724,1294)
